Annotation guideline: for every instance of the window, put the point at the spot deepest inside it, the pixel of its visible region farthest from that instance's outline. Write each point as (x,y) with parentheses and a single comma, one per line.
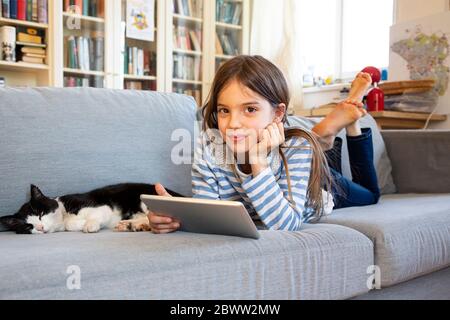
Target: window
(338,38)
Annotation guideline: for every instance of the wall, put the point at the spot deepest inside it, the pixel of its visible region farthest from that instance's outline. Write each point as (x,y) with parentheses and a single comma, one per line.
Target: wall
(413,9)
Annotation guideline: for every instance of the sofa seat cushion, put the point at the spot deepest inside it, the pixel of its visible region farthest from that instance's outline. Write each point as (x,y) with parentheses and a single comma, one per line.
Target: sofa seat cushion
(320,262)
(411,233)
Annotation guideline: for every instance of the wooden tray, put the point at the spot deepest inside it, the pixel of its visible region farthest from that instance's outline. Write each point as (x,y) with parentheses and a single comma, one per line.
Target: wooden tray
(392,92)
(407,84)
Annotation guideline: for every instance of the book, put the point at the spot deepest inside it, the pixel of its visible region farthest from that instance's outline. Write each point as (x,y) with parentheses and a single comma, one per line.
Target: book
(22,9)
(5,8)
(23,37)
(29,10)
(101,8)
(180,8)
(13,9)
(147,65)
(99,53)
(93,8)
(85,11)
(35,55)
(79,6)
(92,53)
(197,8)
(72,52)
(125,60)
(43,11)
(86,59)
(34,15)
(32,59)
(190,8)
(219,48)
(195,40)
(237,14)
(66,6)
(33,50)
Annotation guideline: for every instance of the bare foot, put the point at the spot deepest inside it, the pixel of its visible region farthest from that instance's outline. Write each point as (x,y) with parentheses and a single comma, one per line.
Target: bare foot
(359,86)
(346,113)
(343,115)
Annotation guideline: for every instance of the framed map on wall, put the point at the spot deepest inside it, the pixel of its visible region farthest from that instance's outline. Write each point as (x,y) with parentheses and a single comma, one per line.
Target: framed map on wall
(420,49)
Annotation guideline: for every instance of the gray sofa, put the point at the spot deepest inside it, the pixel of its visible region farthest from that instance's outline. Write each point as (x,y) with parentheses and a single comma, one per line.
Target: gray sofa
(73,140)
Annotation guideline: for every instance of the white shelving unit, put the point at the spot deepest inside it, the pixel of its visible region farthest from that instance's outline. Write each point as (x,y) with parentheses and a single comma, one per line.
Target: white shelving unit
(23,73)
(111,28)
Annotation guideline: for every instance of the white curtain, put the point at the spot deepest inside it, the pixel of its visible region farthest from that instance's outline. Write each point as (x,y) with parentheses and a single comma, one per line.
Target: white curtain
(274,35)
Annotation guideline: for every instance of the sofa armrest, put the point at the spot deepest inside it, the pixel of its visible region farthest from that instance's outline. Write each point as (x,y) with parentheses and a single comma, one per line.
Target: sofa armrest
(420,160)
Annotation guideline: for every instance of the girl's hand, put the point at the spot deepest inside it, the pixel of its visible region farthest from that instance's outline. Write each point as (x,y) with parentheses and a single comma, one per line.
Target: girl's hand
(270,138)
(160,224)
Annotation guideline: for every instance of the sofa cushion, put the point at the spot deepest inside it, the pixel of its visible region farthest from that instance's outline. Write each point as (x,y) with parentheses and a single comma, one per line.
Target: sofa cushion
(381,159)
(76,139)
(319,262)
(424,152)
(411,233)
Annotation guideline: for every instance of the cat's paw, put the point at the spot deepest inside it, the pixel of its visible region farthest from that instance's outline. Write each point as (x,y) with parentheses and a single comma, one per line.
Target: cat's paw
(135,225)
(123,226)
(91,227)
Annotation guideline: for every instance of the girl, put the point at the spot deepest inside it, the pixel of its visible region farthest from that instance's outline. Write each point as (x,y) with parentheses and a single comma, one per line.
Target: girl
(282,176)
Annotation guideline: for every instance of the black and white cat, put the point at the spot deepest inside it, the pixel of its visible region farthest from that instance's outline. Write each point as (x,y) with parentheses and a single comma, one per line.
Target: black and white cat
(116,207)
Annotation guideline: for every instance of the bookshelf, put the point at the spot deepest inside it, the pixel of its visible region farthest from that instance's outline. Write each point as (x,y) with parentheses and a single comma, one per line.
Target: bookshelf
(185,48)
(231,29)
(141,69)
(24,20)
(84,31)
(181,57)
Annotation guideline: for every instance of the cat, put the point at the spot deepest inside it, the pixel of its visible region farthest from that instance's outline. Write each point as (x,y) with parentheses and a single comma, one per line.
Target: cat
(117,207)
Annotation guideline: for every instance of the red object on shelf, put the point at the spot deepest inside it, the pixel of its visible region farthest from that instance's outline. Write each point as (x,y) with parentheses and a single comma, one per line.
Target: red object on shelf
(374,73)
(375,97)
(375,100)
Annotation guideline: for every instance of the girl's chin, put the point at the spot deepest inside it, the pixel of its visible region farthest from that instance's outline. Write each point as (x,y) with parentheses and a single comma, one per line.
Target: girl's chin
(238,147)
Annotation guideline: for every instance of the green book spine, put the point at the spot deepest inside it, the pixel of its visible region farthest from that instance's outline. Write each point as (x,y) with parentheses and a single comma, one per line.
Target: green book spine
(125,61)
(29,10)
(85,7)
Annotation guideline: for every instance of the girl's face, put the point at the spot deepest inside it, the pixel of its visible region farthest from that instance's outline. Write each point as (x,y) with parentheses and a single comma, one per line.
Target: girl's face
(242,115)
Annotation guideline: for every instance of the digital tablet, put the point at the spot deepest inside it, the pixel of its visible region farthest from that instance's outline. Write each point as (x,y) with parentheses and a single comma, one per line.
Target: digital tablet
(228,218)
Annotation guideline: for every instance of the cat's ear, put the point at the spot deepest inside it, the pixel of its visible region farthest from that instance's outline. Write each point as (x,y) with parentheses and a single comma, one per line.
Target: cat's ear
(36,194)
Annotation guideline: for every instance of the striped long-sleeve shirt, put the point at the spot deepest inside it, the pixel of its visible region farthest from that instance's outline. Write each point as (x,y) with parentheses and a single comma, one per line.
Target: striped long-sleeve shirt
(265,196)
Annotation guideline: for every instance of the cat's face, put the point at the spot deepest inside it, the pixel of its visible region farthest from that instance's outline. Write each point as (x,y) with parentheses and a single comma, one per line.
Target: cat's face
(39,215)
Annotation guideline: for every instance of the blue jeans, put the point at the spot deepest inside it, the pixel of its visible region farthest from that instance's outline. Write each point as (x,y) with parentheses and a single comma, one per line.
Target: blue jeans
(363,190)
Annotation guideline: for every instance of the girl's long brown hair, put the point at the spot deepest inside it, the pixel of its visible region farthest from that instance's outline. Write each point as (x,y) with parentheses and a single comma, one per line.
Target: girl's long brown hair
(263,77)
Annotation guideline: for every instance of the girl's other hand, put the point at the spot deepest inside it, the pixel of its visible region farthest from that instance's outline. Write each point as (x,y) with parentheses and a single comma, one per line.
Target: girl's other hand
(270,138)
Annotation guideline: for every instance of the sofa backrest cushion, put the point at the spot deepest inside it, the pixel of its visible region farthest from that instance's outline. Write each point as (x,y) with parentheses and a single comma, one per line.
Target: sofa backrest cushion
(73,140)
(381,159)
